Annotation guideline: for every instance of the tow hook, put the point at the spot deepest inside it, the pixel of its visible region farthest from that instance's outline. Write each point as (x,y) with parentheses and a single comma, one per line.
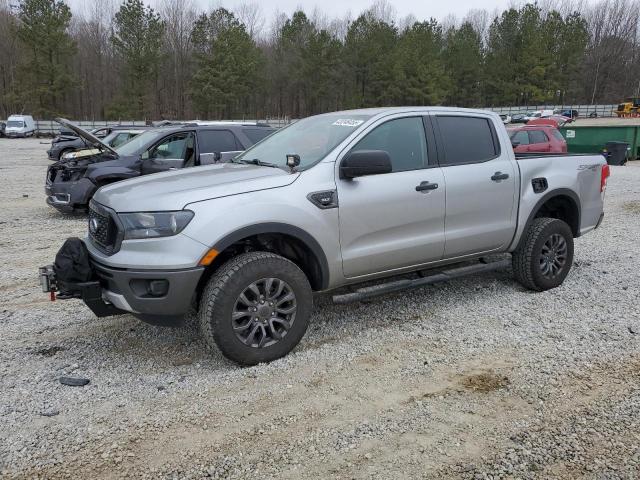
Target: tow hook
(48,281)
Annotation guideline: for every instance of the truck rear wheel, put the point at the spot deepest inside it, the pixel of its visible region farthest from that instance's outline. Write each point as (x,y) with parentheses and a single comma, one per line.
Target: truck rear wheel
(544,258)
(256,308)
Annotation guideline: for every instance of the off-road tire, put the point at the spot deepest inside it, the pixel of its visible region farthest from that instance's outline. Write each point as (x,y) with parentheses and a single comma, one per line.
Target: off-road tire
(229,282)
(526,260)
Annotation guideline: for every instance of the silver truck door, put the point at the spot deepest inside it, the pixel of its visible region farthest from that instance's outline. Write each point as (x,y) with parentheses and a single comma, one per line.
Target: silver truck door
(481,184)
(393,220)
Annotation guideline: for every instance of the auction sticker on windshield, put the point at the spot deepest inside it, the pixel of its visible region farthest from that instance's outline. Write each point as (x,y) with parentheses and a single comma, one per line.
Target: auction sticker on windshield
(347,122)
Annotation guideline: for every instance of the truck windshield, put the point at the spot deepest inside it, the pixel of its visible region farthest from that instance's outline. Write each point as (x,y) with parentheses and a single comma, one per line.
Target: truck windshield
(15,124)
(311,138)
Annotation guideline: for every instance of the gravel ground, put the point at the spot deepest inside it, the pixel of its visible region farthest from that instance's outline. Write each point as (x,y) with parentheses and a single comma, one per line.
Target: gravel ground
(474,378)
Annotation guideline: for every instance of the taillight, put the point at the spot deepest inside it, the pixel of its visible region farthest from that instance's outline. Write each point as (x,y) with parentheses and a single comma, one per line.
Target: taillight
(604,174)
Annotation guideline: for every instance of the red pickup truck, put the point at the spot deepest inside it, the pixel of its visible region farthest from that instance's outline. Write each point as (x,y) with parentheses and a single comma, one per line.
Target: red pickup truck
(537,138)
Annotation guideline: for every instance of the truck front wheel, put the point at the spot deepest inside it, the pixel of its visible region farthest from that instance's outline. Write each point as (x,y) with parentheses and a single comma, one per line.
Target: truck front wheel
(544,258)
(256,308)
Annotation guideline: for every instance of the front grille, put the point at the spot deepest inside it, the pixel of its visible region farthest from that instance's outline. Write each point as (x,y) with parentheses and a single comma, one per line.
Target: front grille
(104,231)
(51,175)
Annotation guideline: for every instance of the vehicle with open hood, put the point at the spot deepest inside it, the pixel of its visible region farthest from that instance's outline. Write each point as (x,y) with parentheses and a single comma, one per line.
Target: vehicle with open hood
(72,181)
(69,141)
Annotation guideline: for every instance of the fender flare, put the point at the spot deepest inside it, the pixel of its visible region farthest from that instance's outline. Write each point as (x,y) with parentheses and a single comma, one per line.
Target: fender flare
(112,173)
(560,192)
(286,229)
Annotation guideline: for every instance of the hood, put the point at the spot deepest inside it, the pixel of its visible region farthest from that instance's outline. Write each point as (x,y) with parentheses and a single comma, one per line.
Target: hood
(88,137)
(176,189)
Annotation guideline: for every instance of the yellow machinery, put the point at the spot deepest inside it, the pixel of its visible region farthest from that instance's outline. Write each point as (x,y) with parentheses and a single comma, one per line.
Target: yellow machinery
(629,108)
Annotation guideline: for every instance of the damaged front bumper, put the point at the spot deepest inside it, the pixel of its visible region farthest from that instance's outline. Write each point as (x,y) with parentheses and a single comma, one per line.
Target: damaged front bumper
(68,196)
(159,297)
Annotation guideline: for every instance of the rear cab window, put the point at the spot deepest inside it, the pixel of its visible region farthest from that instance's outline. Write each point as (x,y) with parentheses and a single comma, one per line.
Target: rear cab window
(467,139)
(557,135)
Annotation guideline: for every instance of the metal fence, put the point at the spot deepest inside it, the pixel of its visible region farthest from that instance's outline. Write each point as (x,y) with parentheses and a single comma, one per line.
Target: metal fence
(583,110)
(51,127)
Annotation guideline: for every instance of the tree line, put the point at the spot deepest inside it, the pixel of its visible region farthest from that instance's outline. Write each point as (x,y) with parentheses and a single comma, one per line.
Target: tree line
(124,59)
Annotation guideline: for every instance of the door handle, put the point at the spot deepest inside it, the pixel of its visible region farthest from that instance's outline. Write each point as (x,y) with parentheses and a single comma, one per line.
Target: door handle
(426,186)
(499,176)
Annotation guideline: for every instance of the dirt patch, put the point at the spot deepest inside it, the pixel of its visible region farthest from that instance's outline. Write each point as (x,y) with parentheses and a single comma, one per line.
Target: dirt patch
(632,207)
(484,382)
(49,351)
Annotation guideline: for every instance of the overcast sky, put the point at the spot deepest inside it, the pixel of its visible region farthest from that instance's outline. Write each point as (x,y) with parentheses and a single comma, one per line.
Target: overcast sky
(421,9)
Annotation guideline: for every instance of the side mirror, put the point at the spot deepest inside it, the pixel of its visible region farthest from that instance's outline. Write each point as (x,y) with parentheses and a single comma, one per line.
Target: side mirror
(359,163)
(515,144)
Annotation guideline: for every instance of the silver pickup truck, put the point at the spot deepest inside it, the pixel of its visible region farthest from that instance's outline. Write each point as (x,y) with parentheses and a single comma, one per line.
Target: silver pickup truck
(331,200)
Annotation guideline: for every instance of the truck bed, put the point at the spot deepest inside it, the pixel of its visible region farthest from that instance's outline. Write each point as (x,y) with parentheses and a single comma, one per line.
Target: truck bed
(576,176)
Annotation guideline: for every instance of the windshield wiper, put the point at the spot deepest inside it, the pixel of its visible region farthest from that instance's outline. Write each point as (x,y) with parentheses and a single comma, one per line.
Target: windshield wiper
(255,161)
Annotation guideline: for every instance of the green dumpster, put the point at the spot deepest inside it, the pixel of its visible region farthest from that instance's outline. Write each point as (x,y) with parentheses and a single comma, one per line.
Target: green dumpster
(592,139)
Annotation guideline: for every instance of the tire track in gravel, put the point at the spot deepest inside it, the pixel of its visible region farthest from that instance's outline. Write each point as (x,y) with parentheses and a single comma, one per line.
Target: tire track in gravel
(397,425)
(351,416)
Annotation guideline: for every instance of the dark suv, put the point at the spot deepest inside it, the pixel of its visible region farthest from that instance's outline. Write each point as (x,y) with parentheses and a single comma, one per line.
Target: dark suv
(71,183)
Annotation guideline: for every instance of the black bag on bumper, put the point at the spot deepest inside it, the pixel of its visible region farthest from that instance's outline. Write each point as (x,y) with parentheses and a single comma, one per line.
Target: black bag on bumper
(72,265)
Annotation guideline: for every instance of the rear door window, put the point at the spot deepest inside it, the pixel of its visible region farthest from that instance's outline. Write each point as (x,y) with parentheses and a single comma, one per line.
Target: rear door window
(538,136)
(520,137)
(466,139)
(210,141)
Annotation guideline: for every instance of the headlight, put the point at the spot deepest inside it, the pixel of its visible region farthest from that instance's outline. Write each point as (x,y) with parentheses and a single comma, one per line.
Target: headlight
(154,224)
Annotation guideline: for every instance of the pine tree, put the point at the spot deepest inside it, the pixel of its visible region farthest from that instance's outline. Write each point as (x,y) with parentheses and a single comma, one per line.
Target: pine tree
(369,58)
(137,40)
(227,65)
(420,78)
(463,59)
(44,74)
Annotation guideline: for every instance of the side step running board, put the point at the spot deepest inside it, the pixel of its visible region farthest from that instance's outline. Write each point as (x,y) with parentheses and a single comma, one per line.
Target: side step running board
(407,284)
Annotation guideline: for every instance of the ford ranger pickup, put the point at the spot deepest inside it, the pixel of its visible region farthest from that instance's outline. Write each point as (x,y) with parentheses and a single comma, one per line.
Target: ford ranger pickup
(330,201)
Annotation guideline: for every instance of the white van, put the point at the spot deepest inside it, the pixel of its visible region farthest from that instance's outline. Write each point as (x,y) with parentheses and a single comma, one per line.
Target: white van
(20,126)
